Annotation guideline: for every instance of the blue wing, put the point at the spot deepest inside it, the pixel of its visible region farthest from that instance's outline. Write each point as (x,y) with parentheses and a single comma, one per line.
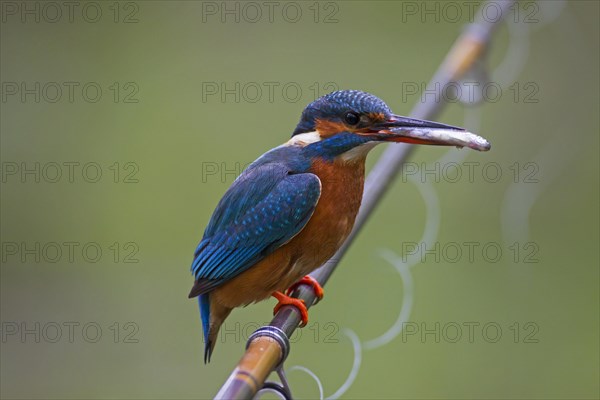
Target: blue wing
(263,209)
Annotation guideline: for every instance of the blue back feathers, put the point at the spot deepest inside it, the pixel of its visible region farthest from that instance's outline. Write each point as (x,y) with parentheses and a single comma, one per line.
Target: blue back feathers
(264,208)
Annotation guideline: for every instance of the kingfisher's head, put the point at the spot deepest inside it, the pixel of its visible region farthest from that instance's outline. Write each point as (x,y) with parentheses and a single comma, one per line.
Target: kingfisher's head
(343,120)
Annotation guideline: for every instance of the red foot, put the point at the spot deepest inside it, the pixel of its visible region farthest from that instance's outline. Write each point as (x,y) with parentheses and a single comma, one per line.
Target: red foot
(308,280)
(298,303)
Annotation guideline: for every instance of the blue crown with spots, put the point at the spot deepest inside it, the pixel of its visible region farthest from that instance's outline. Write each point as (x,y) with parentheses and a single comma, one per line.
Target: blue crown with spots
(335,105)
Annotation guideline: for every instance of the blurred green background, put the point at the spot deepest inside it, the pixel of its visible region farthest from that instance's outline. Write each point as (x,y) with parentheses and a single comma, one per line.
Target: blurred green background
(167,149)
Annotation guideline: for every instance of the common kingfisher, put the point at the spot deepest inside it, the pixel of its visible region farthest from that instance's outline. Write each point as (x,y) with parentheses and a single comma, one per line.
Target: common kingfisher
(290,210)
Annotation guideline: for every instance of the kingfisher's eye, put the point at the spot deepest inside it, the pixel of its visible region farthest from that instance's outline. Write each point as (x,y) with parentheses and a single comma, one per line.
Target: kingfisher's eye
(352,118)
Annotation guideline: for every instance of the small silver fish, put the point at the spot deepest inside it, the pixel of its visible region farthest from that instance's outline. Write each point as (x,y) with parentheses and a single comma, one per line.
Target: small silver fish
(457,137)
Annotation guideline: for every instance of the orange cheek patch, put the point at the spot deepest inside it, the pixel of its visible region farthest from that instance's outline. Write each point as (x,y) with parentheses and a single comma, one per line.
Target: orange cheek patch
(329,128)
(377,117)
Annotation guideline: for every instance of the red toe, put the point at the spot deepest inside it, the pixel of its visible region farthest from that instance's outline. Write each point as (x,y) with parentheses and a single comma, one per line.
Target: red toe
(308,280)
(290,301)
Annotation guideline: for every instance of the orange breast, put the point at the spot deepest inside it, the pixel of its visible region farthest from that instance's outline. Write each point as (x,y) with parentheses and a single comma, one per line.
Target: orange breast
(341,194)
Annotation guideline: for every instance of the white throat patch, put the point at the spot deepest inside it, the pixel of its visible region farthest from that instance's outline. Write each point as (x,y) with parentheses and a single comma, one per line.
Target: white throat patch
(303,139)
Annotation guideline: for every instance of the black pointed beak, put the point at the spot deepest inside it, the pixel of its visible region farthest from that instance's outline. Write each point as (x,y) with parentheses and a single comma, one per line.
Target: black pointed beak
(398,121)
(419,131)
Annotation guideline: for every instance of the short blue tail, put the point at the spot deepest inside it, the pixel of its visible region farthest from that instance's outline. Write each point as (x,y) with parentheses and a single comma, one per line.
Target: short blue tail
(204,303)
